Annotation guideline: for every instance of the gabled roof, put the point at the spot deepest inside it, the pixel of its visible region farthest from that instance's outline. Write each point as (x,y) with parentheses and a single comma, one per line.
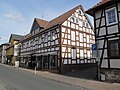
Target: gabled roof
(16,37)
(41,23)
(62,18)
(91,10)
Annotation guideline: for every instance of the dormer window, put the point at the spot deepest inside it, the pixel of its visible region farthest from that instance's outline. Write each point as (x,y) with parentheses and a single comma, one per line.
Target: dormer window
(111,16)
(36,30)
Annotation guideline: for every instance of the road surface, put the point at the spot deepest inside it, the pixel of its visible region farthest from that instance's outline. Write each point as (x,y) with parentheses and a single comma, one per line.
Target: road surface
(15,79)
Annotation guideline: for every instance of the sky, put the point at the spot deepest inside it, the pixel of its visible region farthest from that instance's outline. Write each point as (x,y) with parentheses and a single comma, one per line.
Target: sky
(16,16)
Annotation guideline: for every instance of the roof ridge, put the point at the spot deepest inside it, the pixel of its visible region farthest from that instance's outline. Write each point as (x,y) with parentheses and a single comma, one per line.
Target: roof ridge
(60,16)
(41,19)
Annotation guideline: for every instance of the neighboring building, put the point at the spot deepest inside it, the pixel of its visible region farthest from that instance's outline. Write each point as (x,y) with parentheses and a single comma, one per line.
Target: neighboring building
(107,32)
(3,57)
(61,45)
(12,50)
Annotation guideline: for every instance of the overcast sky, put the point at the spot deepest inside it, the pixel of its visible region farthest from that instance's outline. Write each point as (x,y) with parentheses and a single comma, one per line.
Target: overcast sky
(16,16)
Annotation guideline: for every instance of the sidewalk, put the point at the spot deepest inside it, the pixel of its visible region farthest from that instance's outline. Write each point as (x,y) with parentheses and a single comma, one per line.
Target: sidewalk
(90,84)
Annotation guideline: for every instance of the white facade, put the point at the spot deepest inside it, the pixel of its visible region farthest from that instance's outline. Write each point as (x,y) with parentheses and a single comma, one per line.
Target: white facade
(77,38)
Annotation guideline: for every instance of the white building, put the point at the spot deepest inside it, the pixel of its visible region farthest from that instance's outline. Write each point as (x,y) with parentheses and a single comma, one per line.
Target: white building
(62,44)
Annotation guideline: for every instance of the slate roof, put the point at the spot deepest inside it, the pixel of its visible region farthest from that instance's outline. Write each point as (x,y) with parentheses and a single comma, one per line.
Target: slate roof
(16,37)
(7,44)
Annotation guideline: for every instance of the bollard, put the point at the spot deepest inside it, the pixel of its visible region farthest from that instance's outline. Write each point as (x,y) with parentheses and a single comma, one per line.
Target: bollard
(35,69)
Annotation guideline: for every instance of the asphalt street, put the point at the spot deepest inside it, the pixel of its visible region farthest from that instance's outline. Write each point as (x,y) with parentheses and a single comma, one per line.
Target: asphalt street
(15,79)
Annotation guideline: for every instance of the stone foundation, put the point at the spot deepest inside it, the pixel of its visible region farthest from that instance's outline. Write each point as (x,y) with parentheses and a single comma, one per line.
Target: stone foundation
(75,67)
(112,76)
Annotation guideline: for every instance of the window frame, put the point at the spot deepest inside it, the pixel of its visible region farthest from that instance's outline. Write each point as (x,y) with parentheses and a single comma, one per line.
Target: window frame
(45,37)
(111,42)
(72,19)
(107,20)
(53,35)
(73,53)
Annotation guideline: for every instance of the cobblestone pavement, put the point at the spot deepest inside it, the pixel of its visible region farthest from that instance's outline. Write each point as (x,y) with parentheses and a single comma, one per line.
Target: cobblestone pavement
(90,84)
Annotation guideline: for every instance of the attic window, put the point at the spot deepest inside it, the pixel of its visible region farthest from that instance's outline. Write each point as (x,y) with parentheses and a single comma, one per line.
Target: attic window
(36,30)
(86,24)
(77,20)
(72,19)
(79,12)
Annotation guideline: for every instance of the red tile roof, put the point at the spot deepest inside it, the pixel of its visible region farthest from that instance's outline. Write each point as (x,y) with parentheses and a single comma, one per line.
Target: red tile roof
(59,20)
(41,22)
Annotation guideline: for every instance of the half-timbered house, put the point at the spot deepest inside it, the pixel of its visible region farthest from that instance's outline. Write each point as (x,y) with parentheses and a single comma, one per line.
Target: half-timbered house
(61,44)
(107,32)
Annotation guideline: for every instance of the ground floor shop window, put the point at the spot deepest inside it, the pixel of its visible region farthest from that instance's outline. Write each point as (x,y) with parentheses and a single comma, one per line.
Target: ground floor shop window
(45,62)
(53,62)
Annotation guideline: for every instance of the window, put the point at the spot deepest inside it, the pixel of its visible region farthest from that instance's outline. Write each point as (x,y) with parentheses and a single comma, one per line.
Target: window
(73,35)
(73,53)
(83,24)
(114,48)
(45,38)
(39,40)
(36,30)
(72,19)
(53,35)
(111,16)
(77,20)
(33,32)
(86,24)
(79,12)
